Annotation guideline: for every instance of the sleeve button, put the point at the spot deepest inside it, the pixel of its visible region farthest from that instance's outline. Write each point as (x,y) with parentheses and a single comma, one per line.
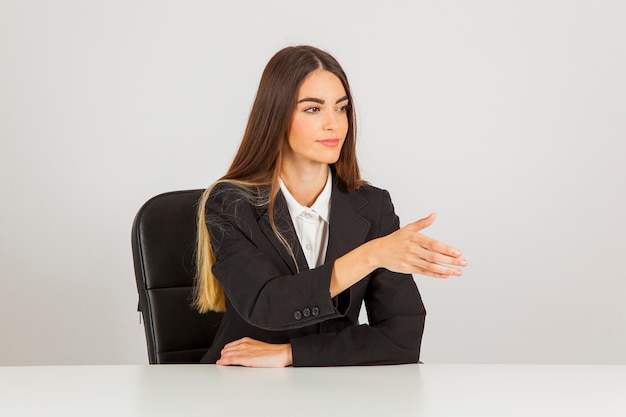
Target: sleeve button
(315,311)
(297,315)
(306,312)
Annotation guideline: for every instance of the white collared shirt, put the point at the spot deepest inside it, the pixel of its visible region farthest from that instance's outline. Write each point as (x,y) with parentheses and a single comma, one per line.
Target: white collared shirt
(311,223)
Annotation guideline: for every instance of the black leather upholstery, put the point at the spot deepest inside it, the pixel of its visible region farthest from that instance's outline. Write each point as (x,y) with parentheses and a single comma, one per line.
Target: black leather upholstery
(163,242)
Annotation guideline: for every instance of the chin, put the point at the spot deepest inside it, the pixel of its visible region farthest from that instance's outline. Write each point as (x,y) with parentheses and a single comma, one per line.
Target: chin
(332,158)
(329,161)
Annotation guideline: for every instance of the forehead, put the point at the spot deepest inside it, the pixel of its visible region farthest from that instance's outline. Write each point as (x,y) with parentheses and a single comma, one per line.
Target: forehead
(321,84)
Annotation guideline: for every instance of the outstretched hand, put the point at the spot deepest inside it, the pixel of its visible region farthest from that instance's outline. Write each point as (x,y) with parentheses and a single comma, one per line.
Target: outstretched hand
(408,251)
(257,354)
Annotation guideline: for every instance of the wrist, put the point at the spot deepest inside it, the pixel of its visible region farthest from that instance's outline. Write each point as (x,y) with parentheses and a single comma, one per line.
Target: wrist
(371,255)
(289,354)
(354,266)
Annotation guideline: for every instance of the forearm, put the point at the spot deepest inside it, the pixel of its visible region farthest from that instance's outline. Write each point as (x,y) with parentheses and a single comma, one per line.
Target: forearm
(389,344)
(353,266)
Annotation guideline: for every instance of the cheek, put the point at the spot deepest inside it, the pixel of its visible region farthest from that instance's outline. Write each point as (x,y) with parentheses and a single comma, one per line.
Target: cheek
(299,130)
(344,125)
(298,126)
(294,133)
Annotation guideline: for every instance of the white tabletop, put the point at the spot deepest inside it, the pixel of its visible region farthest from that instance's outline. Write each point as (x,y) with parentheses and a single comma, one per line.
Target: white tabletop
(406,390)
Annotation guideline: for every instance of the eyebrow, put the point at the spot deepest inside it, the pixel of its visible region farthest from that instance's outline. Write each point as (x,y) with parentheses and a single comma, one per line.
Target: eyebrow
(320,101)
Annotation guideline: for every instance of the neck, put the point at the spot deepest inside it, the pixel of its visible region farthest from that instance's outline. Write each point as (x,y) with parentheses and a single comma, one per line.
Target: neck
(305,184)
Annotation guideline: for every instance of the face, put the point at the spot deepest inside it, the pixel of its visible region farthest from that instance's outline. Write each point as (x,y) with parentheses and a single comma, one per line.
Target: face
(319,123)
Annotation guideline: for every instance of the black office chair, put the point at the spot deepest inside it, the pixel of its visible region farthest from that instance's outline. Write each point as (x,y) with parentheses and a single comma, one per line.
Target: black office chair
(163,243)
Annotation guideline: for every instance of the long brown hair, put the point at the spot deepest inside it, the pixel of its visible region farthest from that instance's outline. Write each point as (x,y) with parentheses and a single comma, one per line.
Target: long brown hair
(258,160)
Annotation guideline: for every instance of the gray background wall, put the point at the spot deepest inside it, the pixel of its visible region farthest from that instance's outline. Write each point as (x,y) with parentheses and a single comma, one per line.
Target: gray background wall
(506,118)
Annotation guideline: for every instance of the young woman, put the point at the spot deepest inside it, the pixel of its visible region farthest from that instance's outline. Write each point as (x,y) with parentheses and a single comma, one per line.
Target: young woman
(292,240)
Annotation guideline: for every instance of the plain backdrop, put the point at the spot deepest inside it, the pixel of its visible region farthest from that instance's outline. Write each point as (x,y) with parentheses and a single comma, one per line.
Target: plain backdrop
(507,118)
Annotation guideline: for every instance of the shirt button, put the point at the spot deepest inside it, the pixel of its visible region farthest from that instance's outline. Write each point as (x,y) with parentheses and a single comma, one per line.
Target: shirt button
(315,311)
(308,246)
(306,312)
(297,315)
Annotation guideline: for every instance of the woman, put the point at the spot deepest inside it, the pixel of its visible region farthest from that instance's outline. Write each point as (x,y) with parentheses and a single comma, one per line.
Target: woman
(292,240)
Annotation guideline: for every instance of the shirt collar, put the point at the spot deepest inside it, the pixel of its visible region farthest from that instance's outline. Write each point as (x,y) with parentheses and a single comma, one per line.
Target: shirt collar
(321,206)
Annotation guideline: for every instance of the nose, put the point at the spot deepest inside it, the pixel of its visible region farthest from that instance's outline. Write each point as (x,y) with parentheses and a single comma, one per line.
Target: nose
(330,121)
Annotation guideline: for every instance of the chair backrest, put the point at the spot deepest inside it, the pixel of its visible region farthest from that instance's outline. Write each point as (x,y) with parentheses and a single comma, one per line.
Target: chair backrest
(163,243)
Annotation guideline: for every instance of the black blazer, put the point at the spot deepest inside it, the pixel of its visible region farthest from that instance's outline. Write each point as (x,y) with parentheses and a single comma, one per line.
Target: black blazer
(269,300)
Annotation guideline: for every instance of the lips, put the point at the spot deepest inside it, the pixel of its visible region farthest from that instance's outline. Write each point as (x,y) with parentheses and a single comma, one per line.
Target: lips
(329,142)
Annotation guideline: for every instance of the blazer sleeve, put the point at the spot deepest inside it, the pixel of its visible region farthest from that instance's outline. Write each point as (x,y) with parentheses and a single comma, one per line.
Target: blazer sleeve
(262,295)
(396,318)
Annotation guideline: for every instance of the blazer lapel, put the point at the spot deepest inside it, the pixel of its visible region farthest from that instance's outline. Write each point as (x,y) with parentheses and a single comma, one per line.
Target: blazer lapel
(347,228)
(282,220)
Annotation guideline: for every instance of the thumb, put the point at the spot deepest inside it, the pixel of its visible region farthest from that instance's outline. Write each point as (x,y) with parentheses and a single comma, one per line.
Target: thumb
(425,222)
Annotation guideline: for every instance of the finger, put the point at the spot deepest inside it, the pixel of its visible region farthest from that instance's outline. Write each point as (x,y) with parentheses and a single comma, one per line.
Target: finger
(438,247)
(234,350)
(438,258)
(231,353)
(437,269)
(231,350)
(243,349)
(237,342)
(248,361)
(231,360)
(428,273)
(243,359)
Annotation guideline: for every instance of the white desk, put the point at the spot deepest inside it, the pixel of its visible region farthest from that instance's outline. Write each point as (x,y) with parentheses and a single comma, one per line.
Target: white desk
(407,390)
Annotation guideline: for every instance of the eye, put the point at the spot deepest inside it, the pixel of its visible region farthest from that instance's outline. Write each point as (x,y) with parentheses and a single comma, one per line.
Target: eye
(313,109)
(344,108)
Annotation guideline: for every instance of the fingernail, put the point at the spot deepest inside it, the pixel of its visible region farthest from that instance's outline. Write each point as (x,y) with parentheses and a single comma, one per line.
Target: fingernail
(463,262)
(458,272)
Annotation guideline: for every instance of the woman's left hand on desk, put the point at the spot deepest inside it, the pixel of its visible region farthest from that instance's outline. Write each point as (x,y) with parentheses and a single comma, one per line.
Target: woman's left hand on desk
(254,353)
